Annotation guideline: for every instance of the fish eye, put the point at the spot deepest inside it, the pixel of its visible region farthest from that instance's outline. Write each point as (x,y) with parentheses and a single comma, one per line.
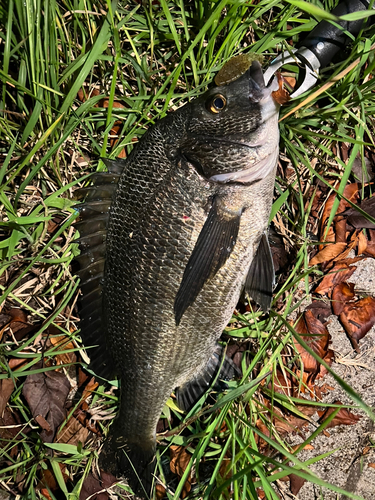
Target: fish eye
(216,104)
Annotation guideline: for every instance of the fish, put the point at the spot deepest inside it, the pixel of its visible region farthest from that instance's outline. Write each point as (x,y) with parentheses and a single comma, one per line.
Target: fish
(170,238)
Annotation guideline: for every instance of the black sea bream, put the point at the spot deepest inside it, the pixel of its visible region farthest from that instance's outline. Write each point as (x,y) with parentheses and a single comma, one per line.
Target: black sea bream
(186,233)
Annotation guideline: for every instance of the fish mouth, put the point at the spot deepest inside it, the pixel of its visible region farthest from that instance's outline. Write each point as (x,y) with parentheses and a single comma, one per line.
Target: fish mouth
(258,170)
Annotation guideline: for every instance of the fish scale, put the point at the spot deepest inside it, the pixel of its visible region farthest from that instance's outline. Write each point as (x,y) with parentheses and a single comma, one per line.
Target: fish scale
(179,250)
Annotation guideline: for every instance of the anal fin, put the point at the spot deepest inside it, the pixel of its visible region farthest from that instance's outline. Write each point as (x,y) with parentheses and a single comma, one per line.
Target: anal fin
(190,392)
(261,276)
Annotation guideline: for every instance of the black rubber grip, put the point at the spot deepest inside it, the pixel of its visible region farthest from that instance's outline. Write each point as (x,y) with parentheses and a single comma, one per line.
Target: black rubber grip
(325,40)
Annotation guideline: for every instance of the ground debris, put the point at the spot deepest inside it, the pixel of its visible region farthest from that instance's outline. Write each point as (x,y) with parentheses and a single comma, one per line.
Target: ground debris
(45,394)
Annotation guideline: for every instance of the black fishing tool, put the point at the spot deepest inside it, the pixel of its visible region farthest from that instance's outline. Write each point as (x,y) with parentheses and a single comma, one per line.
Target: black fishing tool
(317,50)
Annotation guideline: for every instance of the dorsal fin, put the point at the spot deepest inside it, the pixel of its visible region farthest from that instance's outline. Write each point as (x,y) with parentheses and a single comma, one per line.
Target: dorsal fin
(92,226)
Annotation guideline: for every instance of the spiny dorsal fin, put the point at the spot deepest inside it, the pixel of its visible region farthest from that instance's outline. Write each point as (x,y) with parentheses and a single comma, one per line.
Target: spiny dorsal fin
(92,226)
(261,277)
(212,249)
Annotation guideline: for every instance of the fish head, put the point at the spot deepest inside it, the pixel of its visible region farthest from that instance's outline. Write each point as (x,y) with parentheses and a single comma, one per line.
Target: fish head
(232,132)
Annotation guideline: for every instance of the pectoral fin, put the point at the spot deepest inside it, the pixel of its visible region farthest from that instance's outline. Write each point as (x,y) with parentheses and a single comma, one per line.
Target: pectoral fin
(261,277)
(212,249)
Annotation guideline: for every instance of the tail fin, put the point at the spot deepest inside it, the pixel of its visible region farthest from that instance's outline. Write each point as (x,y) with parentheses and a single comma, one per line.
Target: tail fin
(133,460)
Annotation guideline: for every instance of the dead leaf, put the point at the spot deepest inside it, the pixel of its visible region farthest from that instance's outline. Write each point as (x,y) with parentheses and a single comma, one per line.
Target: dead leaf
(343,417)
(16,363)
(281,95)
(296,483)
(45,394)
(10,432)
(18,315)
(351,193)
(329,252)
(62,342)
(339,273)
(321,310)
(95,489)
(316,336)
(357,220)
(4,320)
(362,243)
(44,492)
(72,433)
(372,465)
(47,477)
(42,422)
(6,389)
(160,491)
(340,229)
(370,249)
(180,459)
(224,470)
(341,295)
(90,388)
(328,358)
(358,318)
(82,377)
(282,383)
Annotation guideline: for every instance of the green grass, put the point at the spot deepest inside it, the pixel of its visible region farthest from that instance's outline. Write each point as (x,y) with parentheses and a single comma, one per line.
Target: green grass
(152,58)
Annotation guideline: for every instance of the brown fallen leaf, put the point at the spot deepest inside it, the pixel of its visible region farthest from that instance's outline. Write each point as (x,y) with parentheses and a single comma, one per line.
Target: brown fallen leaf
(321,310)
(308,447)
(316,336)
(286,423)
(328,358)
(329,252)
(90,388)
(45,394)
(42,422)
(281,95)
(225,471)
(370,249)
(340,229)
(296,483)
(341,295)
(10,432)
(357,220)
(343,417)
(362,243)
(4,319)
(180,459)
(281,383)
(72,433)
(339,273)
(48,479)
(16,363)
(62,342)
(372,465)
(18,315)
(358,318)
(44,492)
(160,491)
(6,389)
(351,193)
(95,489)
